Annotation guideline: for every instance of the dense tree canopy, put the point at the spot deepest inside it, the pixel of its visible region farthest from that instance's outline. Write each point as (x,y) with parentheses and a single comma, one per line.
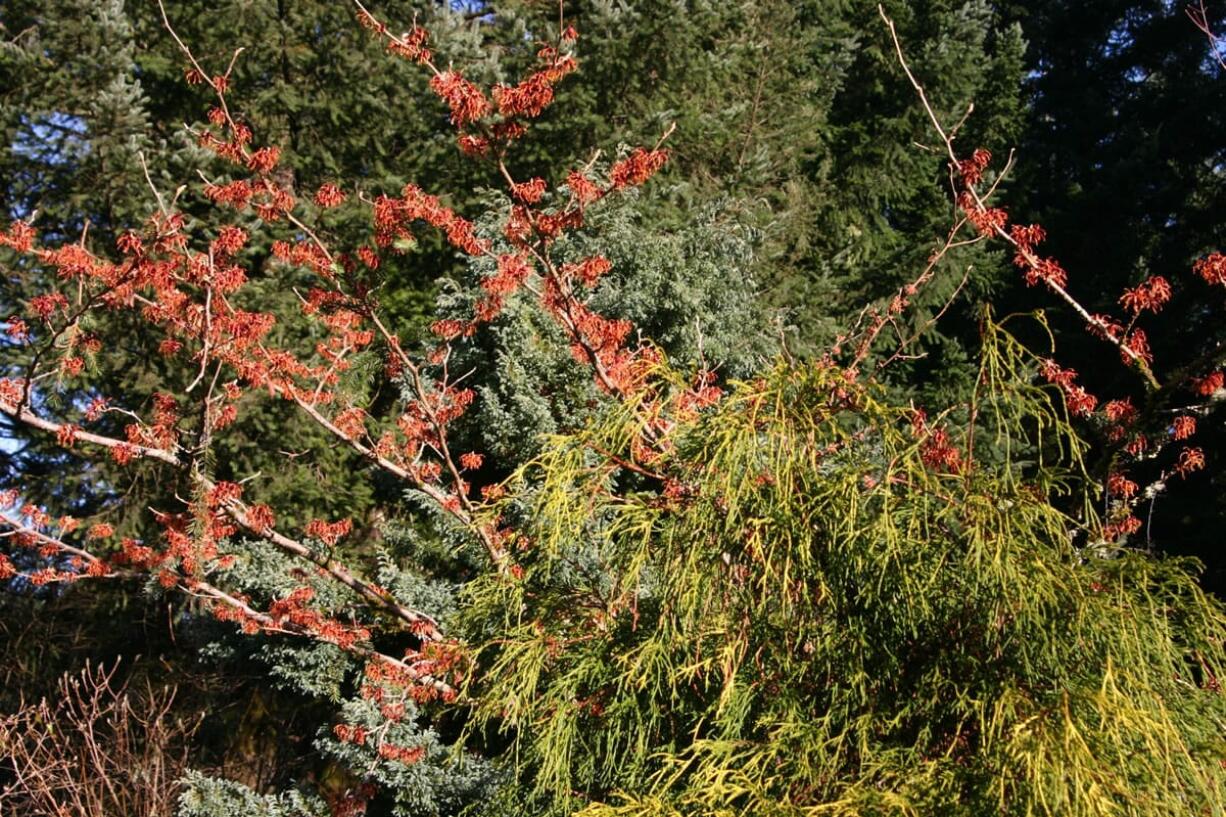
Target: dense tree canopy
(650,407)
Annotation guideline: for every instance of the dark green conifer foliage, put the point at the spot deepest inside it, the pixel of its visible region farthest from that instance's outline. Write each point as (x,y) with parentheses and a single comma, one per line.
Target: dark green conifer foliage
(86,98)
(791,113)
(806,635)
(1121,160)
(75,117)
(691,289)
(883,193)
(796,113)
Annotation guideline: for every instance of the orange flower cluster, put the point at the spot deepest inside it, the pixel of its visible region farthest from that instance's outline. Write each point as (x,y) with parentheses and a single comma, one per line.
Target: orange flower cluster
(348,733)
(411,45)
(393,217)
(1080,402)
(45,306)
(351,422)
(1123,525)
(329,195)
(589,271)
(1190,459)
(1120,486)
(582,188)
(292,611)
(19,237)
(971,170)
(513,269)
(260,518)
(936,450)
(223,494)
(329,532)
(1212,269)
(401,754)
(1152,294)
(531,96)
(1209,384)
(1183,427)
(529,192)
(465,100)
(637,168)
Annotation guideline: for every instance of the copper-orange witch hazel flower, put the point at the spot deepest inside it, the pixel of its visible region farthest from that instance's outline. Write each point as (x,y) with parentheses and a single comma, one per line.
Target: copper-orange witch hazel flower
(529,192)
(264,159)
(1183,427)
(191,288)
(45,306)
(937,449)
(473,145)
(329,532)
(66,436)
(1134,347)
(17,329)
(590,270)
(531,96)
(1027,236)
(260,518)
(448,328)
(465,100)
(20,237)
(582,188)
(1123,526)
(1210,383)
(401,754)
(1045,270)
(1120,486)
(412,45)
(1152,295)
(988,220)
(349,733)
(971,170)
(393,218)
(351,422)
(513,269)
(1190,459)
(1212,269)
(637,168)
(1079,401)
(329,195)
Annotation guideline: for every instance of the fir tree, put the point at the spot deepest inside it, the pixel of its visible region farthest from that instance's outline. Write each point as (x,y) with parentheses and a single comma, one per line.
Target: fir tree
(715,587)
(1120,160)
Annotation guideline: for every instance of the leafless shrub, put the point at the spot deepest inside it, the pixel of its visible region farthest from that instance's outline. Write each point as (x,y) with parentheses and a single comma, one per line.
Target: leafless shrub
(97,749)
